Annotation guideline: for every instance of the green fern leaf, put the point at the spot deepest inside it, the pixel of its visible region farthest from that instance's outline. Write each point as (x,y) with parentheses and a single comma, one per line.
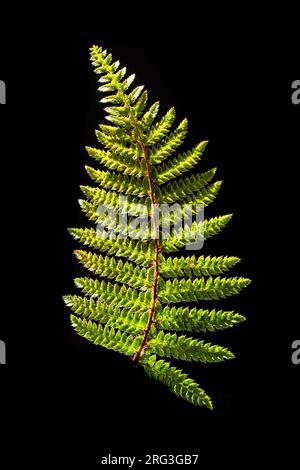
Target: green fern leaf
(130,306)
(179,165)
(186,319)
(205,230)
(149,116)
(192,266)
(99,311)
(174,191)
(140,105)
(117,162)
(169,144)
(161,128)
(133,250)
(107,337)
(125,273)
(113,293)
(178,382)
(187,349)
(117,147)
(202,289)
(122,183)
(130,321)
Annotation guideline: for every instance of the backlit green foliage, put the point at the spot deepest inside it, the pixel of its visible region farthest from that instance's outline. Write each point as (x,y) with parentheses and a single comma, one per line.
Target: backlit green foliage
(130,305)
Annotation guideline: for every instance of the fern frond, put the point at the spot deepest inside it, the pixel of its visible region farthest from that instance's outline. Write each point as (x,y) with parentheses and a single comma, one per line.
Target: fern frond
(111,203)
(119,120)
(125,308)
(130,321)
(178,382)
(117,147)
(134,250)
(117,111)
(179,165)
(98,196)
(133,96)
(161,128)
(190,206)
(115,133)
(125,273)
(187,290)
(187,349)
(205,197)
(207,229)
(106,337)
(169,144)
(97,310)
(113,99)
(187,319)
(149,116)
(140,105)
(107,222)
(117,162)
(168,318)
(192,266)
(176,190)
(121,183)
(115,295)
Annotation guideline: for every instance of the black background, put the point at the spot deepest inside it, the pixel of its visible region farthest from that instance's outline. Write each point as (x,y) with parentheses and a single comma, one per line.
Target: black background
(81,401)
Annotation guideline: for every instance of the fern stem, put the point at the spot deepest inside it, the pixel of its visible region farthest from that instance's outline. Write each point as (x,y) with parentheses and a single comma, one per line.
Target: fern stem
(154,287)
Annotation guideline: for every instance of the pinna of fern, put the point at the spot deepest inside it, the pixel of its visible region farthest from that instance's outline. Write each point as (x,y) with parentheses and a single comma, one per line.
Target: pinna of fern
(131,303)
